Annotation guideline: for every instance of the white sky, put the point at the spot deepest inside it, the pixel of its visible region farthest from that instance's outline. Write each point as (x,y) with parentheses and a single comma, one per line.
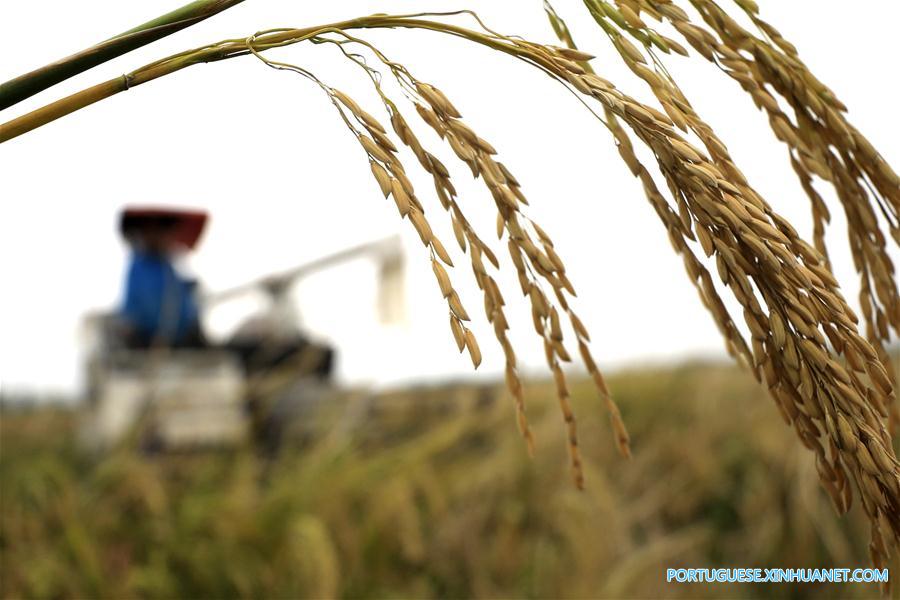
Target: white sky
(285,182)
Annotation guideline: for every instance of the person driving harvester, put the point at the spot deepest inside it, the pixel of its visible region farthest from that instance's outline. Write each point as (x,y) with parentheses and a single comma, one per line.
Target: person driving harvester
(159,306)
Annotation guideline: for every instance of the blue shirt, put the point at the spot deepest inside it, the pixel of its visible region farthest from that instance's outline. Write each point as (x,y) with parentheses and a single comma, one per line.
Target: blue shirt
(158,301)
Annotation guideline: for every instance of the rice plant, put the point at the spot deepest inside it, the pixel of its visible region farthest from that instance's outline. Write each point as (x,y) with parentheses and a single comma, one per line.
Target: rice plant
(831,382)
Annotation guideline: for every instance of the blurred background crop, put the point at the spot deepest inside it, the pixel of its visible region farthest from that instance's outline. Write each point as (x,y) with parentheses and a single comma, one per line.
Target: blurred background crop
(429,492)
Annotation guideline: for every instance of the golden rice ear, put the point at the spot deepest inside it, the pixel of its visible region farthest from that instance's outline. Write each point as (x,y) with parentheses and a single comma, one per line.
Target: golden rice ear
(805,115)
(801,327)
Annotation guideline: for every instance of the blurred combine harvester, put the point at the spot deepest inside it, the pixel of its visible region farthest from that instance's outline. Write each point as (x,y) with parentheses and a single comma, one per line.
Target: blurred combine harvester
(189,394)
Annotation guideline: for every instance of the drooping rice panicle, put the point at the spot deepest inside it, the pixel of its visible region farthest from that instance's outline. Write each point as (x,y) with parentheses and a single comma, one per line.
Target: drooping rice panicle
(822,143)
(530,258)
(801,336)
(759,255)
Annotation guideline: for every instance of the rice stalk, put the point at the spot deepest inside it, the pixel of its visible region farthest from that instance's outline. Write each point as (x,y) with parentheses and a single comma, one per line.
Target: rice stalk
(24,86)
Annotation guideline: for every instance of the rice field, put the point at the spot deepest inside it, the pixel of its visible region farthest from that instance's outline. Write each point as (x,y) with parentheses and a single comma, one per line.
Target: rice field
(430,493)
